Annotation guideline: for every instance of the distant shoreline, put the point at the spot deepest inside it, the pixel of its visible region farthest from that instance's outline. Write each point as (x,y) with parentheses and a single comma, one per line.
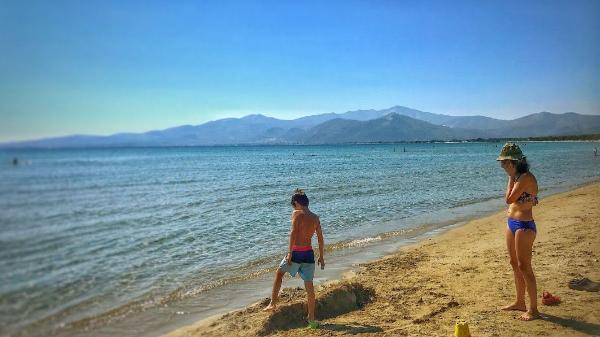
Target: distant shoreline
(590,137)
(550,139)
(573,138)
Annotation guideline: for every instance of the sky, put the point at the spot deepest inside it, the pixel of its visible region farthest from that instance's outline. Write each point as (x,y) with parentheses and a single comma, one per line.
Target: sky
(101,67)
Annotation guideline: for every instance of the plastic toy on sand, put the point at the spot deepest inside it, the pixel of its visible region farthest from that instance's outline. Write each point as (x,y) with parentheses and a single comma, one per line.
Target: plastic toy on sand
(549,299)
(461,329)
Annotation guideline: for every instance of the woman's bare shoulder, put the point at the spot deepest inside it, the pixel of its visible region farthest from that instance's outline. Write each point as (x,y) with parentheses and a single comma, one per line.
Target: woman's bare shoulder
(530,181)
(531,177)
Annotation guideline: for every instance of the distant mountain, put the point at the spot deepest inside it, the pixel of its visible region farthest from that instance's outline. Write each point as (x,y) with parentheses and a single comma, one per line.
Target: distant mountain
(249,129)
(466,122)
(393,124)
(392,127)
(549,124)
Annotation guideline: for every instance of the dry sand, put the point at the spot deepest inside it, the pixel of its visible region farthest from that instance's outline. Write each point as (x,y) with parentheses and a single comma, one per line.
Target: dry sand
(462,274)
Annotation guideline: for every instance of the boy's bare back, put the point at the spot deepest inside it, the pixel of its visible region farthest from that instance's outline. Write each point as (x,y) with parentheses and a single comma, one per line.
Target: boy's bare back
(305,224)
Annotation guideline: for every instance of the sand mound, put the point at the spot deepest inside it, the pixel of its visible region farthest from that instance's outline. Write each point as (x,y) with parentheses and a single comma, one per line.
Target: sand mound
(339,300)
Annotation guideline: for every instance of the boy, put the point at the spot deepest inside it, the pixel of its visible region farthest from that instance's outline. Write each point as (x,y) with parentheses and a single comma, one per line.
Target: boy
(301,257)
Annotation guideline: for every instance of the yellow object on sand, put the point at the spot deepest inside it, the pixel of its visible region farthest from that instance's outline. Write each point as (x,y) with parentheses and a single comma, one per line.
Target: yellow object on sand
(461,329)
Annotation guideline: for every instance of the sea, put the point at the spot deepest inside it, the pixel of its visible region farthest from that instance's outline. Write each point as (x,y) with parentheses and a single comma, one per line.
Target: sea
(140,241)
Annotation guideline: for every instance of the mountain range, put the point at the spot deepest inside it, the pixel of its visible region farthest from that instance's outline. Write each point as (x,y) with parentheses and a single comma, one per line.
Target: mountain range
(394,124)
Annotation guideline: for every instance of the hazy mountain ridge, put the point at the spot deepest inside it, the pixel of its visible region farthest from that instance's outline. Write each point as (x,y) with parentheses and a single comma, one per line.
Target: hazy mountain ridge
(388,125)
(549,124)
(392,127)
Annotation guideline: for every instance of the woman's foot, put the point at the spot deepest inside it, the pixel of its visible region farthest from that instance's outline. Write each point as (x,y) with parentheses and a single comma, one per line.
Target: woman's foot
(529,316)
(519,306)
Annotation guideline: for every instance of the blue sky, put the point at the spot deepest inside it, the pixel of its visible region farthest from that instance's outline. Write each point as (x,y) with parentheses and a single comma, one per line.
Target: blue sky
(100,67)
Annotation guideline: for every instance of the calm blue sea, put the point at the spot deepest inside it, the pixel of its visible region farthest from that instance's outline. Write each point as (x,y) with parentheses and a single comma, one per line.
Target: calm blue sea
(90,236)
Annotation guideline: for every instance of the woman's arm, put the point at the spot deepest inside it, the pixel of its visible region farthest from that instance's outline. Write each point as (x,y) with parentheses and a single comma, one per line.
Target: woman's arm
(509,186)
(517,189)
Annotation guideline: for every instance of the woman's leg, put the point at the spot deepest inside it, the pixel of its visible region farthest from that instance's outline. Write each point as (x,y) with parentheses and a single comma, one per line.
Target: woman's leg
(524,243)
(519,304)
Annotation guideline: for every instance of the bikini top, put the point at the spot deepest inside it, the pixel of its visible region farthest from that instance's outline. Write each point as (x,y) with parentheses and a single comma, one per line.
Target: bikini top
(526,197)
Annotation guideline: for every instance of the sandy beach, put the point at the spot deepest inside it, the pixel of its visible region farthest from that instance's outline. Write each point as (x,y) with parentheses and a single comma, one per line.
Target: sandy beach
(462,274)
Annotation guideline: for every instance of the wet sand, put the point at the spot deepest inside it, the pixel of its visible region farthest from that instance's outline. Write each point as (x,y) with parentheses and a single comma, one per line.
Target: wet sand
(462,274)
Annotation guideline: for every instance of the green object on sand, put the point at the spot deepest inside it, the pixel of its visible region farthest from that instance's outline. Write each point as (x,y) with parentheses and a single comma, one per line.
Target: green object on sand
(313,325)
(511,151)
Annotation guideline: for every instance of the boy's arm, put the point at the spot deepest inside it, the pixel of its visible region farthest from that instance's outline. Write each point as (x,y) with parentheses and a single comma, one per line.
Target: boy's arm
(321,245)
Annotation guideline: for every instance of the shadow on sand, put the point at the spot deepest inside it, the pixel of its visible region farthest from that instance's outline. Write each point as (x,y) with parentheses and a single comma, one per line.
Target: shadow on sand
(585,327)
(352,329)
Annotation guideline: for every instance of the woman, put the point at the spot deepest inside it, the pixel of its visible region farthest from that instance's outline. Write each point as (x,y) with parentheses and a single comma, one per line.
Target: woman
(521,196)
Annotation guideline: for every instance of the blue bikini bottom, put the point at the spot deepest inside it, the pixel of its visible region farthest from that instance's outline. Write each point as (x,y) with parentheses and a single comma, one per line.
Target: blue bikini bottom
(515,225)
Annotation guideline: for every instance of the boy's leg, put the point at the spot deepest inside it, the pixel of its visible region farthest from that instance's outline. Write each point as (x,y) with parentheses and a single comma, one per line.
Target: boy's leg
(310,295)
(276,287)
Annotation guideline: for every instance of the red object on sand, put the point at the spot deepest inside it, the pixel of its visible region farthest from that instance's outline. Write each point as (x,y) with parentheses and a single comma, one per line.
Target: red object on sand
(549,299)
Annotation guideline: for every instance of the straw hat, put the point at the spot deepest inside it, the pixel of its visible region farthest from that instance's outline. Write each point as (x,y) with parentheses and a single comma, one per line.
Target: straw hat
(511,151)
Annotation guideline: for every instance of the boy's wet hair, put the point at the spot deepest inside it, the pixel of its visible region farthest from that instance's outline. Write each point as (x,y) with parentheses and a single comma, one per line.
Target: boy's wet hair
(299,197)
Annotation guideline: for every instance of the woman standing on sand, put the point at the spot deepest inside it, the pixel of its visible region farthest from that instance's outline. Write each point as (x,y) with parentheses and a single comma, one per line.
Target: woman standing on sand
(521,196)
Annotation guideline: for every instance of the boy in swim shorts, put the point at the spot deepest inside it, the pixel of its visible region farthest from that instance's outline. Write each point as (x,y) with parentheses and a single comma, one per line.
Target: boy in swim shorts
(300,258)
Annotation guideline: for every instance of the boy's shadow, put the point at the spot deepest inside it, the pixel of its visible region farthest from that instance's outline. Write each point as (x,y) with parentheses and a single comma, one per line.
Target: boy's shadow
(589,328)
(350,329)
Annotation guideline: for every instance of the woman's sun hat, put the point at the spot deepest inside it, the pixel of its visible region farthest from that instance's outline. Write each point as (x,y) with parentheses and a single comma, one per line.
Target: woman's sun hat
(511,151)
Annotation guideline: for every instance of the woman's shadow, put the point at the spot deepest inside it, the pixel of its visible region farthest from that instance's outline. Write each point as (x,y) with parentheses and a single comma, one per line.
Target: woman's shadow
(588,328)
